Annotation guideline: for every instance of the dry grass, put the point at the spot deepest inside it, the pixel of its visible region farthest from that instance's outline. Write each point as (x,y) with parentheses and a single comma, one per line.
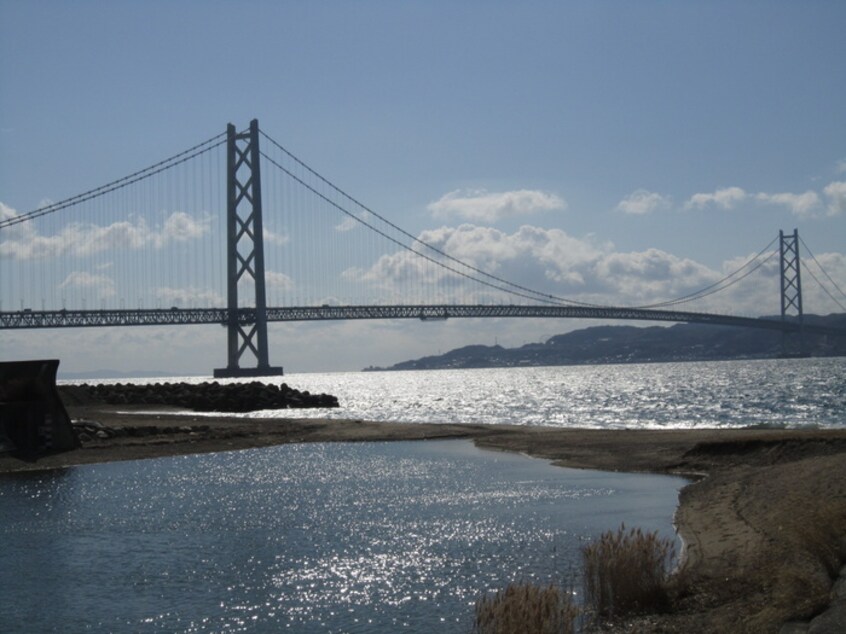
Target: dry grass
(524,608)
(626,572)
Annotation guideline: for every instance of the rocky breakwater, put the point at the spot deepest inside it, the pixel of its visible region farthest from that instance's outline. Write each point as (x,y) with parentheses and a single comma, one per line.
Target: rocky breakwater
(202,397)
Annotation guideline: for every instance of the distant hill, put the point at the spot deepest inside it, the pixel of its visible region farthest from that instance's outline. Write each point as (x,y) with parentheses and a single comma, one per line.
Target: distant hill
(632,344)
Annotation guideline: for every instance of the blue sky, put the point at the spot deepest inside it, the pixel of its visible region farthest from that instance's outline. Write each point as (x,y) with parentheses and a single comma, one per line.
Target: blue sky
(647,136)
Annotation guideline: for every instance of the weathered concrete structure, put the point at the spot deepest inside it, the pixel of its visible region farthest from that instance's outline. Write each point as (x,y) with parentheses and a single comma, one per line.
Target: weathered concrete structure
(33,419)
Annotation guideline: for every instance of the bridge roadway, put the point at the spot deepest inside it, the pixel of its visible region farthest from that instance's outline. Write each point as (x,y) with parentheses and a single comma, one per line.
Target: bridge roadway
(26,319)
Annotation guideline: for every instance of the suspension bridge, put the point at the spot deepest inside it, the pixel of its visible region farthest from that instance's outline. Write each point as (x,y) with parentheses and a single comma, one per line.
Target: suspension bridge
(148,249)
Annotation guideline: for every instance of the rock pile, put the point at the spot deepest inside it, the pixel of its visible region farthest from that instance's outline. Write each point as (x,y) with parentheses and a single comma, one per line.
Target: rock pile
(89,430)
(203,397)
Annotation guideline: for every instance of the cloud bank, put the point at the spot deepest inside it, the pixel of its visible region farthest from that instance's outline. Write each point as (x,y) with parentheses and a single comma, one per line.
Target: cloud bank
(805,205)
(582,269)
(102,284)
(548,260)
(483,206)
(836,193)
(24,242)
(801,205)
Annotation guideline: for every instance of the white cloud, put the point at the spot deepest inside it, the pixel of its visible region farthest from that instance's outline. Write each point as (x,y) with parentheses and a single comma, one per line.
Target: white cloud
(645,277)
(281,281)
(181,227)
(840,167)
(836,193)
(7,213)
(725,198)
(546,260)
(21,230)
(81,279)
(802,205)
(191,297)
(349,222)
(78,239)
(564,259)
(483,206)
(483,247)
(531,257)
(581,269)
(805,205)
(642,202)
(271,237)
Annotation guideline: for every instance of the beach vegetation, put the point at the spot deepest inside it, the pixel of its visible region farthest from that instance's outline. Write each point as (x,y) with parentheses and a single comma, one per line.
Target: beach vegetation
(626,572)
(527,608)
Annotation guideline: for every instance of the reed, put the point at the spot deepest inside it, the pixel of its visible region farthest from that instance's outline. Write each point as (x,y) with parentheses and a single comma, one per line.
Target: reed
(525,608)
(626,572)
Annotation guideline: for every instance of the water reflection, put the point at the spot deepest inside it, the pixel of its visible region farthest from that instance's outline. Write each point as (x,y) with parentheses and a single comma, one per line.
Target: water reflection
(323,537)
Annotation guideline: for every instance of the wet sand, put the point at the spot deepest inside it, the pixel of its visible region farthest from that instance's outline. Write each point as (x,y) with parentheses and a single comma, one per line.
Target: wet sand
(762,522)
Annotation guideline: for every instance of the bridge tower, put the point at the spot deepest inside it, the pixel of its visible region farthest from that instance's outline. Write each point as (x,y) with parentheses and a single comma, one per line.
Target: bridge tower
(792,343)
(246,326)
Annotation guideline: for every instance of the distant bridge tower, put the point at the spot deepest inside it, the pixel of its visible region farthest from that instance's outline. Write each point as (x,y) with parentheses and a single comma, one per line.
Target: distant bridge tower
(247,327)
(792,343)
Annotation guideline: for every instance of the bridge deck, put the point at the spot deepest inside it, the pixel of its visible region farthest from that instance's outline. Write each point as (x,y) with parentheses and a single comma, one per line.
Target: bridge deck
(186,316)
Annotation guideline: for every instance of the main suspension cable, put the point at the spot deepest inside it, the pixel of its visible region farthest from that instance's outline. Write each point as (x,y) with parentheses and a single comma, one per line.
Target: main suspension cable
(152,170)
(532,294)
(824,272)
(825,290)
(716,286)
(428,258)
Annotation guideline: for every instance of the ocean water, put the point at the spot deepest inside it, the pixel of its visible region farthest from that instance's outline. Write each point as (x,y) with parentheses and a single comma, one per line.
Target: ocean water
(783,393)
(370,537)
(343,537)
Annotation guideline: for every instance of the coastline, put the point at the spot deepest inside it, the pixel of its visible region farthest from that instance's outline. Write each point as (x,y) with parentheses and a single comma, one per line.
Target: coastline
(756,523)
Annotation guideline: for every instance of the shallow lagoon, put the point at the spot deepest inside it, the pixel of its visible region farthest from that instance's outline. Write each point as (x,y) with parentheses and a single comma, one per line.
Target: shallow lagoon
(367,537)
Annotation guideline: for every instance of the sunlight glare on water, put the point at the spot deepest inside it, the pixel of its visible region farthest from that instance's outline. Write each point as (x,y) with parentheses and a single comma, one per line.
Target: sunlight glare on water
(365,537)
(779,393)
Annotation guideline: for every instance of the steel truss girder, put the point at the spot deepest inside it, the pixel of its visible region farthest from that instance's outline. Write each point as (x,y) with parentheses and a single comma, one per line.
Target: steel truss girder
(245,317)
(88,318)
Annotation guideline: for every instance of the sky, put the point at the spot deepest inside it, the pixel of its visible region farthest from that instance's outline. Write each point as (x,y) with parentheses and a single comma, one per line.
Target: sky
(615,152)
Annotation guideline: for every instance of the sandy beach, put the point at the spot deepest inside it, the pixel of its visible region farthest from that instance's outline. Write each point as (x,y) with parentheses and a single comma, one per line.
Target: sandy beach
(764,520)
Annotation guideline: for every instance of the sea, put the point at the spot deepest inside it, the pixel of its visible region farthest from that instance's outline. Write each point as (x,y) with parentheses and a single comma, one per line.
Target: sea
(774,393)
(371,537)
